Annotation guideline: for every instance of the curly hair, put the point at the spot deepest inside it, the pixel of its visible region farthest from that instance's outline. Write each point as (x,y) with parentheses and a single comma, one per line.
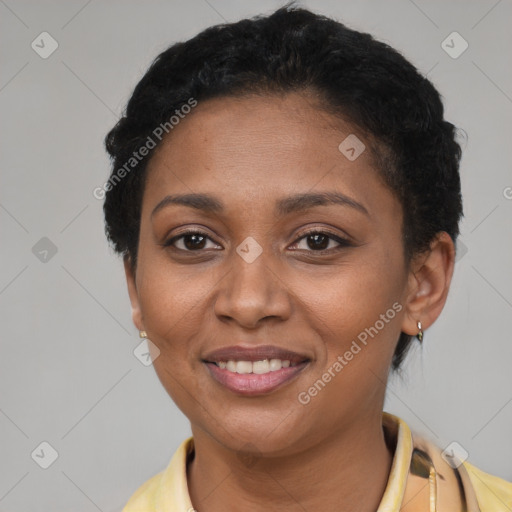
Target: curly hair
(357,78)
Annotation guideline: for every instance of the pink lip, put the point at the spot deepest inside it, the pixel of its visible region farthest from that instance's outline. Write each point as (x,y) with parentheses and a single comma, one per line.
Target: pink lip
(251,384)
(254,353)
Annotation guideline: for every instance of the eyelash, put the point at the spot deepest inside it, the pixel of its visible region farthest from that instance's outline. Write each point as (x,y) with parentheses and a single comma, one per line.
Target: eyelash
(342,241)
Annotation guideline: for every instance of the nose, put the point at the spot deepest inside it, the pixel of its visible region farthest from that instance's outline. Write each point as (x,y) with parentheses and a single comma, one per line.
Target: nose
(252,292)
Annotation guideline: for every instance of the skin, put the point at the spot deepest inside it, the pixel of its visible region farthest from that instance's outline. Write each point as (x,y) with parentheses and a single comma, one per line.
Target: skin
(249,152)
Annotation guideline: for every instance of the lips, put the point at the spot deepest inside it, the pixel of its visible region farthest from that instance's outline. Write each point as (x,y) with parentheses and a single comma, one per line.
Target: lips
(239,353)
(261,382)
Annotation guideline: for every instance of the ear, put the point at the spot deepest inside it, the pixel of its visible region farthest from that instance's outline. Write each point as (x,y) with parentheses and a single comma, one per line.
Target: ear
(134,297)
(428,284)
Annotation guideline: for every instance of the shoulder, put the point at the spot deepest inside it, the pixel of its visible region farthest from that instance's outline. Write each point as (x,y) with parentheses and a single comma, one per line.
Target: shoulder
(168,489)
(493,493)
(460,484)
(144,498)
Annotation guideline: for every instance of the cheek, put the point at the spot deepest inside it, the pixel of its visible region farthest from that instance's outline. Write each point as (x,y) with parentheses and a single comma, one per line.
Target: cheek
(353,292)
(359,301)
(172,297)
(171,308)
(358,320)
(173,311)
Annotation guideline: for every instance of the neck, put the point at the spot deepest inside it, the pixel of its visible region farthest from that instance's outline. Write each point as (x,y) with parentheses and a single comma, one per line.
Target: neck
(349,469)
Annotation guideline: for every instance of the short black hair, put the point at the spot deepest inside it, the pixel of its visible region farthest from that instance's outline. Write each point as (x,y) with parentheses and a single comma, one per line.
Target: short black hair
(358,78)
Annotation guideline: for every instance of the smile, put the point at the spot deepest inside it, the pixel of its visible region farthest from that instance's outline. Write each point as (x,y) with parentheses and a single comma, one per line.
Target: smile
(254,378)
(259,367)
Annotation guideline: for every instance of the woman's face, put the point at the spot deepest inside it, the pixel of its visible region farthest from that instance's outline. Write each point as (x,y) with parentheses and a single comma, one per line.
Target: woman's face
(252,276)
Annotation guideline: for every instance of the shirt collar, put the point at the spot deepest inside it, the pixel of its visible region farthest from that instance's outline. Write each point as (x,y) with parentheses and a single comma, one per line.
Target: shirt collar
(409,450)
(397,434)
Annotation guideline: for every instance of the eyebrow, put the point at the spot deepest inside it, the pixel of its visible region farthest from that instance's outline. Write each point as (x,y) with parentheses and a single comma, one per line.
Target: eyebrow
(285,206)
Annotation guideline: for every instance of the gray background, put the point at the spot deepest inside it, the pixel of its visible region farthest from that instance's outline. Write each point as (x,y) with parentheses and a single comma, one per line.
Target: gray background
(68,375)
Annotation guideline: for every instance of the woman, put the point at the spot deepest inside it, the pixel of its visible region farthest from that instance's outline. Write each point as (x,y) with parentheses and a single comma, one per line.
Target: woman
(285,194)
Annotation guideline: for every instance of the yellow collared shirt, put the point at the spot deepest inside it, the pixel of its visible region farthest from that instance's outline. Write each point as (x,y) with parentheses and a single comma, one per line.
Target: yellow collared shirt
(416,462)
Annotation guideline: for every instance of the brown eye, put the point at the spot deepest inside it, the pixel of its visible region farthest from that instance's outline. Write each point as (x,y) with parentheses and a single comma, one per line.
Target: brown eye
(318,241)
(189,241)
(192,242)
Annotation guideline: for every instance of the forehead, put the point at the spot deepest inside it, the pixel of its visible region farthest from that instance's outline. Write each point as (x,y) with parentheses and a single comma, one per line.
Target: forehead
(259,146)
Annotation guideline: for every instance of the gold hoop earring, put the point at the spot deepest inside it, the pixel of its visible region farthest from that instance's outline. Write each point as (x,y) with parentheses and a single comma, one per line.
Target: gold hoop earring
(420,332)
(143,334)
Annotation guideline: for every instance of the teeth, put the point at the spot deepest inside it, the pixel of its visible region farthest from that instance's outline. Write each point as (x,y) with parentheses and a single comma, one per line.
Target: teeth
(275,364)
(243,367)
(257,367)
(261,366)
